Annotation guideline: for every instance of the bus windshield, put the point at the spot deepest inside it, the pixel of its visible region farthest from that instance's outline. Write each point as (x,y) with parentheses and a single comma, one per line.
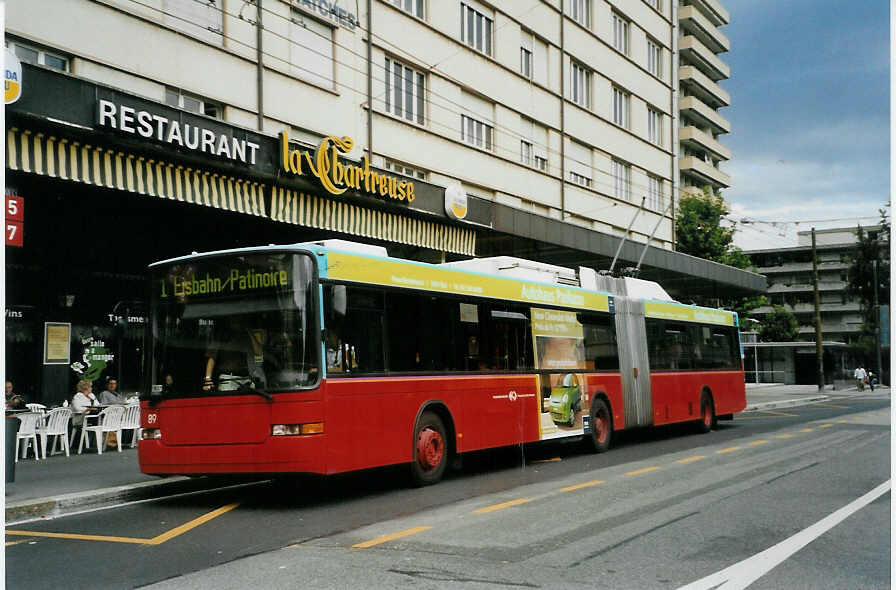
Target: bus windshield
(236,323)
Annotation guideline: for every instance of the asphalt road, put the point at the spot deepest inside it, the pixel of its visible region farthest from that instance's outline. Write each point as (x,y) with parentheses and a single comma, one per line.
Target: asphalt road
(665,508)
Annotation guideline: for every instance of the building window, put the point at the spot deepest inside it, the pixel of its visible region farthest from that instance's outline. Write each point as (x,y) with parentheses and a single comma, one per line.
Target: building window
(475,132)
(404,169)
(580,179)
(526,43)
(526,151)
(310,49)
(656,4)
(620,33)
(655,194)
(654,58)
(654,126)
(541,163)
(201,18)
(404,91)
(621,101)
(37,56)
(414,7)
(192,103)
(475,29)
(580,85)
(580,11)
(622,180)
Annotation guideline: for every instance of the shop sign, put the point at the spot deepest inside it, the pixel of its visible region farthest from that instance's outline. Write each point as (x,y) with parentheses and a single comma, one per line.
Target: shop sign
(57,350)
(94,359)
(455,201)
(193,137)
(15,221)
(337,177)
(13,79)
(331,9)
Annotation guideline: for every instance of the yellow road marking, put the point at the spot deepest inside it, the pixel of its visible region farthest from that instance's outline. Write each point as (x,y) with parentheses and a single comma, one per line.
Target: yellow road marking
(728,450)
(832,406)
(807,430)
(645,470)
(825,425)
(784,436)
(756,443)
(158,540)
(80,537)
(579,486)
(842,422)
(488,509)
(11,543)
(551,460)
(776,413)
(689,459)
(387,538)
(192,524)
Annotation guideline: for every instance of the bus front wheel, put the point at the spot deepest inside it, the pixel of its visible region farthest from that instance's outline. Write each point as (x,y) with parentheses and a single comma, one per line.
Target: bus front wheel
(430,450)
(598,440)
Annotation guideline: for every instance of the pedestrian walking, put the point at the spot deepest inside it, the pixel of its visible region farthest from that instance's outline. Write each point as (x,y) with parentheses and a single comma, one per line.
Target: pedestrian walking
(859,376)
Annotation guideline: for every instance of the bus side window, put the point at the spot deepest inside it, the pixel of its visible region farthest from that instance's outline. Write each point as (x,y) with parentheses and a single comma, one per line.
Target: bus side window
(601,347)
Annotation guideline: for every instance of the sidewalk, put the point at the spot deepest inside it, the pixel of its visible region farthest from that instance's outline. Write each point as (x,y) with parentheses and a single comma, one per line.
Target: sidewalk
(60,484)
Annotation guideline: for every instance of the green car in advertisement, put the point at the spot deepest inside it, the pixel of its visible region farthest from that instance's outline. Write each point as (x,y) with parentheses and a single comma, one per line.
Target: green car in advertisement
(566,400)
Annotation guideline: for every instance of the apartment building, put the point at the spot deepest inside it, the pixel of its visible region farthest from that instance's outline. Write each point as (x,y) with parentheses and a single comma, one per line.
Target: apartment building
(790,283)
(700,69)
(441,129)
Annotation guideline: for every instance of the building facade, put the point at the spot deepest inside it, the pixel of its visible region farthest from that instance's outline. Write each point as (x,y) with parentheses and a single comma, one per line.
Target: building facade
(790,283)
(700,70)
(454,129)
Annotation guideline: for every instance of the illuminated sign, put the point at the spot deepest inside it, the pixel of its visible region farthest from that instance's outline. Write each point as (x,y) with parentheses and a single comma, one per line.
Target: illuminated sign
(337,177)
(171,131)
(235,281)
(13,78)
(15,221)
(455,201)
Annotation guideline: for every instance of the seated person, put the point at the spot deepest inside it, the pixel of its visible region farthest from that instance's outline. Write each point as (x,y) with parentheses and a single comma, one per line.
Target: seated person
(111,395)
(14,401)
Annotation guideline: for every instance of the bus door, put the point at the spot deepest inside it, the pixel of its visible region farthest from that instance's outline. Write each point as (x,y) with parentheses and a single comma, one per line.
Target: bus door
(632,338)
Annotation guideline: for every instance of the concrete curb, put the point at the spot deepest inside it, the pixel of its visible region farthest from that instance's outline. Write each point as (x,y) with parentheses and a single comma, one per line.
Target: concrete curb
(93,499)
(786,403)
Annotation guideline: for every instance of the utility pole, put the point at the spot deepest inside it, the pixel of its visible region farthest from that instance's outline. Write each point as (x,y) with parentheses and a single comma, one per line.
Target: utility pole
(819,350)
(879,365)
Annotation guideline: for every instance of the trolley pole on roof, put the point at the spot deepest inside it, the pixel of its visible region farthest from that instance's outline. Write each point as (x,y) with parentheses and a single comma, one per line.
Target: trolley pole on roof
(819,350)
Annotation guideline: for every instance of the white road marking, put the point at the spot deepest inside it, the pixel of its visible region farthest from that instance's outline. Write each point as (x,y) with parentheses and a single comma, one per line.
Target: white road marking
(742,574)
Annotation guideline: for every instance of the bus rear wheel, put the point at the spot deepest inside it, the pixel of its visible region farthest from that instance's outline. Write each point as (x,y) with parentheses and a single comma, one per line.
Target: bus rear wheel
(430,450)
(707,414)
(598,440)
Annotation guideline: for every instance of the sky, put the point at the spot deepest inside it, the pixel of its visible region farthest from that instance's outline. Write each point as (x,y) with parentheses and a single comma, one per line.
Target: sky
(810,97)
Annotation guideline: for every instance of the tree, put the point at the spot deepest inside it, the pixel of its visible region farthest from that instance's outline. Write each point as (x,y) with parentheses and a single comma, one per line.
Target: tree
(870,246)
(779,326)
(699,232)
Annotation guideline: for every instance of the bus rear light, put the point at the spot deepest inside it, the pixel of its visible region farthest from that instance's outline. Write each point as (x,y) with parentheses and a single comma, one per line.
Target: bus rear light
(150,434)
(297,429)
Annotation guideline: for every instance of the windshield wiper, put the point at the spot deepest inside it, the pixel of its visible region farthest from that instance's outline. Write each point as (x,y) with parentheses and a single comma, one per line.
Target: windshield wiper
(249,388)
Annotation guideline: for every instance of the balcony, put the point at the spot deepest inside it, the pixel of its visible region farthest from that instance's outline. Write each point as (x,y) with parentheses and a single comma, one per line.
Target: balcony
(802,267)
(697,54)
(829,330)
(695,109)
(712,10)
(698,84)
(705,173)
(694,23)
(806,287)
(698,140)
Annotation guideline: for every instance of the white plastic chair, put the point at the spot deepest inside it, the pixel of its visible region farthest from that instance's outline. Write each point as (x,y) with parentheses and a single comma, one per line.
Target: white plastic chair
(57,425)
(37,408)
(28,433)
(109,421)
(131,421)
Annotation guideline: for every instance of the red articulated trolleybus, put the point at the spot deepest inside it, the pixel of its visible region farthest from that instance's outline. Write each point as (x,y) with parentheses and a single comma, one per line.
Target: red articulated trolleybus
(330,357)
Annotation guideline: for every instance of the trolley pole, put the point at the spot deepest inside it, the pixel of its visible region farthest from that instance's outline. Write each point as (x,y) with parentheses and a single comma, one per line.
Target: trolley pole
(877,327)
(819,350)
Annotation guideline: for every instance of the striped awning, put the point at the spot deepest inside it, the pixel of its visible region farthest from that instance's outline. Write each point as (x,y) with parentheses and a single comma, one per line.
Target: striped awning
(312,211)
(59,157)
